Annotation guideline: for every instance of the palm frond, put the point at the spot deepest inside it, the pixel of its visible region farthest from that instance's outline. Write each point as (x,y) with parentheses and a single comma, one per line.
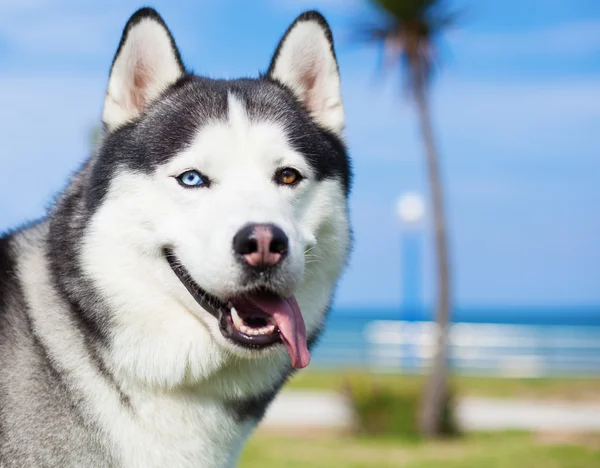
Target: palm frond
(409,31)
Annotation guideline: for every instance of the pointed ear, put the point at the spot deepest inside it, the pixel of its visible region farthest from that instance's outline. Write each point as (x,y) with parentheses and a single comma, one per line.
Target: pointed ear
(146,63)
(305,62)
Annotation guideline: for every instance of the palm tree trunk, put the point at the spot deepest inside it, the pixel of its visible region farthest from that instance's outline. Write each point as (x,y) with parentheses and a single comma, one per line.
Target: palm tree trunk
(436,397)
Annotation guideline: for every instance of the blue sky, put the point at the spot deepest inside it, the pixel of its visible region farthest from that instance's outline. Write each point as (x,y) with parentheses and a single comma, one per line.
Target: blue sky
(516,107)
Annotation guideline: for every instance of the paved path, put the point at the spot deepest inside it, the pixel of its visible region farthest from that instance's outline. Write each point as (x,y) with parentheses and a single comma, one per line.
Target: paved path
(486,414)
(328,410)
(318,410)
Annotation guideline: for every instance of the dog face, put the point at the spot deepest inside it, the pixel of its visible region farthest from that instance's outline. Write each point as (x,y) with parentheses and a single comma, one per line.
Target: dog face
(218,224)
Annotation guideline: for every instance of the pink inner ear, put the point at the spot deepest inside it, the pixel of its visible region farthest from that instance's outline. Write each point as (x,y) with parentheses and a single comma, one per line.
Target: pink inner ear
(308,81)
(139,86)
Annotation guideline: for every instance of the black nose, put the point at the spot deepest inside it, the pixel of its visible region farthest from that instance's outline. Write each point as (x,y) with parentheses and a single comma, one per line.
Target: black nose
(261,244)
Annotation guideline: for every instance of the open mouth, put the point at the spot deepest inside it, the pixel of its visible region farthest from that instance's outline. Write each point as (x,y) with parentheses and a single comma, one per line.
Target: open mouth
(256,321)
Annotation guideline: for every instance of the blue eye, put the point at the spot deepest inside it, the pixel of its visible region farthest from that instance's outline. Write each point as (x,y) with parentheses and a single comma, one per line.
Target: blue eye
(192,179)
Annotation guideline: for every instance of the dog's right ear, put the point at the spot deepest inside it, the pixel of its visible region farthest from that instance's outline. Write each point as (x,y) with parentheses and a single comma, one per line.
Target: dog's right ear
(146,63)
(305,62)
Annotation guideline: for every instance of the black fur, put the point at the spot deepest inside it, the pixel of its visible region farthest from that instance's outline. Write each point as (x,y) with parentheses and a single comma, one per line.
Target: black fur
(175,117)
(193,101)
(165,128)
(48,391)
(87,311)
(7,275)
(68,221)
(8,284)
(338,164)
(253,408)
(159,134)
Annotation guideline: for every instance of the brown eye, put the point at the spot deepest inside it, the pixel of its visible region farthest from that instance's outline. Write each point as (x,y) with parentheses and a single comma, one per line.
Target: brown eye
(287,176)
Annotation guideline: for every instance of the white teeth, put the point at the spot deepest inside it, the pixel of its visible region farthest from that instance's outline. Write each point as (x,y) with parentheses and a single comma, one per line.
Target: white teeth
(237,320)
(239,324)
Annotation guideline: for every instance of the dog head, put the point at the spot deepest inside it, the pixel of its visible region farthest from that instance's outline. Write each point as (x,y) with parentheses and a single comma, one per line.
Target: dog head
(219,216)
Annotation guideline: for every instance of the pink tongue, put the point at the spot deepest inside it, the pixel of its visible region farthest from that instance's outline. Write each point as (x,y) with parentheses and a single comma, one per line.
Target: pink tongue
(288,317)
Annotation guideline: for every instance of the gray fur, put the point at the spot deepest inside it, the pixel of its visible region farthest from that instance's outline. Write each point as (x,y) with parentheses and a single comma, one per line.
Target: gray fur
(57,329)
(42,421)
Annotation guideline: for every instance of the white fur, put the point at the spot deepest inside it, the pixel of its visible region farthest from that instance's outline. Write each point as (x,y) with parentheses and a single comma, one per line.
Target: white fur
(308,67)
(182,428)
(146,58)
(168,353)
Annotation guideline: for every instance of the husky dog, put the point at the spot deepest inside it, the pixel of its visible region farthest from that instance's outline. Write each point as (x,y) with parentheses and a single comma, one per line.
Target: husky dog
(187,269)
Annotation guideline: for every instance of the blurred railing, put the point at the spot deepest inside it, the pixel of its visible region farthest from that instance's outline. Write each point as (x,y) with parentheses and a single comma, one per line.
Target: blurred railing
(495,349)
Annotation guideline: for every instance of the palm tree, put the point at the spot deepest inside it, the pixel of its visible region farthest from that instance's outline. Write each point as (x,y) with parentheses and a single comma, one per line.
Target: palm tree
(408,35)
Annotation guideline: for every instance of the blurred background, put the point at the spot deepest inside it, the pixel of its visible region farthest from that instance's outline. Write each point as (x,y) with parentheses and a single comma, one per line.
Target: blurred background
(511,90)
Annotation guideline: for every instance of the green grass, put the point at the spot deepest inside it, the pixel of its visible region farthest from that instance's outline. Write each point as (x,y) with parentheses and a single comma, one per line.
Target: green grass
(535,388)
(497,450)
(502,450)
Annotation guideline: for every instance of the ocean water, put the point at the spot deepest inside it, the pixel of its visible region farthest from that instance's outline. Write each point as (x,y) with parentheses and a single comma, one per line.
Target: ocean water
(517,341)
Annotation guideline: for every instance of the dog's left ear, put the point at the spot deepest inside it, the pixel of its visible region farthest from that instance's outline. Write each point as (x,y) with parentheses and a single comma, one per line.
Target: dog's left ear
(305,62)
(146,63)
